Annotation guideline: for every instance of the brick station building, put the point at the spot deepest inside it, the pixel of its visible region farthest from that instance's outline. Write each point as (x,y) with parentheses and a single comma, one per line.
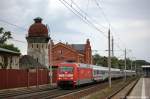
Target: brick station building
(80,53)
(39,47)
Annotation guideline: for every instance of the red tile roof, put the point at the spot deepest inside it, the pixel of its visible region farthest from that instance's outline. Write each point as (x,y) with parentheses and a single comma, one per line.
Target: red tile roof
(38,29)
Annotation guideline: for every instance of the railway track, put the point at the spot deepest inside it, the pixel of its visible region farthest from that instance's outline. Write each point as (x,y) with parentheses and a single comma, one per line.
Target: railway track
(43,94)
(12,93)
(57,93)
(53,93)
(124,91)
(49,94)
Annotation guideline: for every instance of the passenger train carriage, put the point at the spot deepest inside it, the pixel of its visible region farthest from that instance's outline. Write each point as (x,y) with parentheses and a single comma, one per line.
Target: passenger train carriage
(74,74)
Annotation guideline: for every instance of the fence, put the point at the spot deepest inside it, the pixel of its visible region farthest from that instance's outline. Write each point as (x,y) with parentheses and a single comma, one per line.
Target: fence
(11,78)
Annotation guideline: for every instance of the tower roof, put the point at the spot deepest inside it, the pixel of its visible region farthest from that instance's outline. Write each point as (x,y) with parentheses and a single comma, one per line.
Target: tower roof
(38,29)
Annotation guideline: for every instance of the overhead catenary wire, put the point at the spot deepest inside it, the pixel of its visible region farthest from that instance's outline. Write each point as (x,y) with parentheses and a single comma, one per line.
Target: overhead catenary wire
(98,5)
(14,25)
(19,27)
(20,41)
(84,18)
(97,2)
(84,13)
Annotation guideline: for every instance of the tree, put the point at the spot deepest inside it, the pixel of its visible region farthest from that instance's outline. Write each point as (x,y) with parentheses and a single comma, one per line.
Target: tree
(4,35)
(116,63)
(98,60)
(141,62)
(9,47)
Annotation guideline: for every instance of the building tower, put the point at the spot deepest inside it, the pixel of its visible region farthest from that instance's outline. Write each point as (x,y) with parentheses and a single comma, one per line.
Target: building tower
(88,52)
(37,40)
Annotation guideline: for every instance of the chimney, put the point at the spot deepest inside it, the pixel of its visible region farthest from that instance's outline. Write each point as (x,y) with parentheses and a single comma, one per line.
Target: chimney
(66,43)
(88,42)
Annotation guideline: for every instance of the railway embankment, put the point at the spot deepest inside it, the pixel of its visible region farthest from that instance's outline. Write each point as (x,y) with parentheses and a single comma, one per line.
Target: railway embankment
(119,90)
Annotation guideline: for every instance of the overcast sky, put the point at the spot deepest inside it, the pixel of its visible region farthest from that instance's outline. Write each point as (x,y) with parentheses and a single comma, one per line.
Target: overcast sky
(130,20)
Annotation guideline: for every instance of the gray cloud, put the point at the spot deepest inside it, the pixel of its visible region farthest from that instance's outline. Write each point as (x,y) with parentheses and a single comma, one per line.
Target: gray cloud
(130,19)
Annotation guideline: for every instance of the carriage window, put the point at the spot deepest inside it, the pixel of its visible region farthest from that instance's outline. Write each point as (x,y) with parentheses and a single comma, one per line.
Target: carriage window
(66,69)
(95,72)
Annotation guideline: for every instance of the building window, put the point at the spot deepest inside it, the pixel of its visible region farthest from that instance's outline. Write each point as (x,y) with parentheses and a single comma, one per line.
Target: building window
(81,60)
(60,52)
(37,45)
(37,59)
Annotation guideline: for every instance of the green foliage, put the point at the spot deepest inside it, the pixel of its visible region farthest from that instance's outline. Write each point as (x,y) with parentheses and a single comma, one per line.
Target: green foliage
(4,35)
(141,62)
(9,47)
(115,62)
(118,63)
(98,60)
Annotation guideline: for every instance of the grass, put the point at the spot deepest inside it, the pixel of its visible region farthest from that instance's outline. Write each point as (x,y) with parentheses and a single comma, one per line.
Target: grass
(103,93)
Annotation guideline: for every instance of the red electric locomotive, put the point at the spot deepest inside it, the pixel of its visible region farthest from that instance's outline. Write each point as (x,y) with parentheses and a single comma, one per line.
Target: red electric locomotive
(73,74)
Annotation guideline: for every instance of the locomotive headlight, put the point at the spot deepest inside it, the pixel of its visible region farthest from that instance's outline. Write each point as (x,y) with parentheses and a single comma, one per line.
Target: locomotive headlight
(65,75)
(61,75)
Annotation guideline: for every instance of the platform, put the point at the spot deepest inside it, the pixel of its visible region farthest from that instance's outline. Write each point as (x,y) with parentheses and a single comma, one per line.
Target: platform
(141,89)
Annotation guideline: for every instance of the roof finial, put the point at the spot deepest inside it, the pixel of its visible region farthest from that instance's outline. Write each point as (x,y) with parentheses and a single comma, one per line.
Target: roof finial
(38,20)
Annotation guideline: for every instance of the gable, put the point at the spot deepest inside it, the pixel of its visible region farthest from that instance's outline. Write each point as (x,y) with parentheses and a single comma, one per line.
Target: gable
(63,46)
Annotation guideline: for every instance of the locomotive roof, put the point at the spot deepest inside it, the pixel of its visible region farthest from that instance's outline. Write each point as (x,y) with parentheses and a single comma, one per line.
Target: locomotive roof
(115,69)
(78,64)
(104,68)
(99,67)
(129,71)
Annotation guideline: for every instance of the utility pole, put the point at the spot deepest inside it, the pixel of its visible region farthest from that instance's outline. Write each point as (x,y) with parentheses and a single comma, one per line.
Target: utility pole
(109,58)
(112,46)
(131,64)
(125,63)
(135,67)
(50,58)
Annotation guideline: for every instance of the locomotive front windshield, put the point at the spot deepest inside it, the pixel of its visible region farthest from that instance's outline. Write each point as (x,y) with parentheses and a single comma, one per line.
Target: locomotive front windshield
(66,69)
